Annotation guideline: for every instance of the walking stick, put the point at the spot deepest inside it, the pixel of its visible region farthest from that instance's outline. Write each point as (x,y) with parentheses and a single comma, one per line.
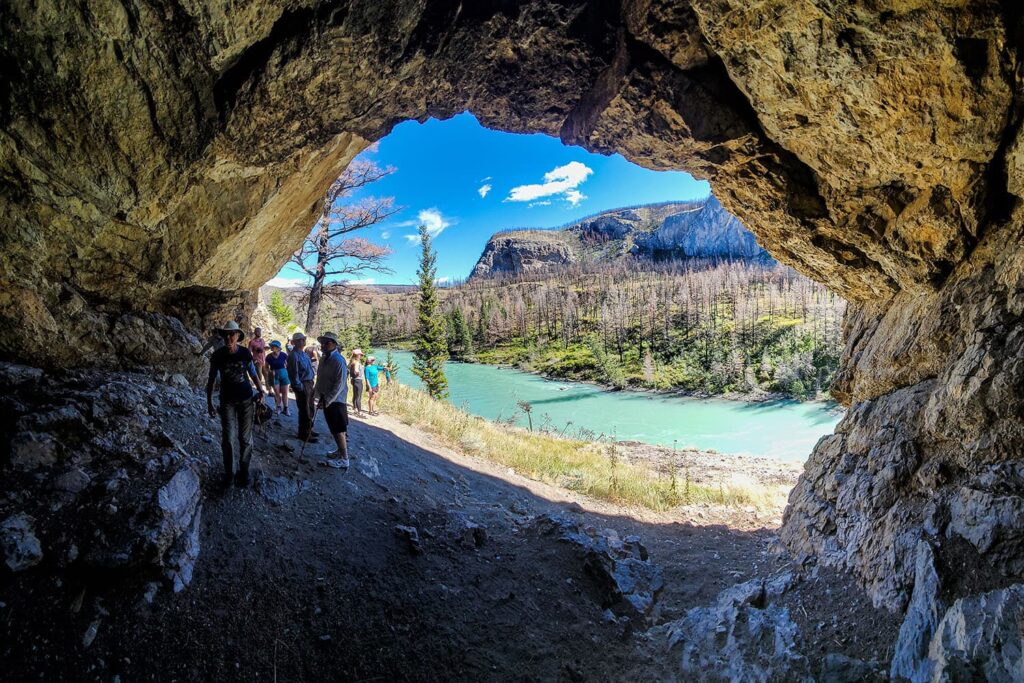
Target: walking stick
(312,422)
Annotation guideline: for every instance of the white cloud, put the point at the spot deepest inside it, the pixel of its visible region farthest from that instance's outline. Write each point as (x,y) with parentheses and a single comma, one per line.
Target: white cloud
(435,221)
(441,280)
(544,202)
(385,235)
(574,197)
(562,180)
(286,282)
(484,189)
(364,281)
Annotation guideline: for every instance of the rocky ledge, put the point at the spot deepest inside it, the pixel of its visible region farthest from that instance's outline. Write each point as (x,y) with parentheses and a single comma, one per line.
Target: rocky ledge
(93,484)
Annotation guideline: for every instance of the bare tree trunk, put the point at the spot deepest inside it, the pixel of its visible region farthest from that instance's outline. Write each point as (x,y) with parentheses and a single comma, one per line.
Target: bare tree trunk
(316,291)
(315,296)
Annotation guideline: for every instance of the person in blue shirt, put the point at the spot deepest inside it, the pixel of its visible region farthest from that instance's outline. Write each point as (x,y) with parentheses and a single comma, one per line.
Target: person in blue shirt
(300,372)
(234,366)
(371,371)
(277,361)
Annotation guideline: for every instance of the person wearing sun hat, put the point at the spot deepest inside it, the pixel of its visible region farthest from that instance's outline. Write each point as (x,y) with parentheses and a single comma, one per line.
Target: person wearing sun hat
(331,390)
(300,372)
(277,361)
(234,365)
(355,373)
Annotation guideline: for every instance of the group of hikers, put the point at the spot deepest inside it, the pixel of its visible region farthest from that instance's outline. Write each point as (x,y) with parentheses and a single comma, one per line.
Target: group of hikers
(318,380)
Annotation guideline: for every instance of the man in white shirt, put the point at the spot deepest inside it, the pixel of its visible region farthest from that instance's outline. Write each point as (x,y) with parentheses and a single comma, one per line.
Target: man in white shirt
(331,390)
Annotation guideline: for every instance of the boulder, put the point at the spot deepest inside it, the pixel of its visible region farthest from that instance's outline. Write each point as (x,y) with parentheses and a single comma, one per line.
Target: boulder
(74,480)
(980,638)
(910,656)
(411,536)
(22,549)
(15,376)
(278,490)
(744,636)
(626,580)
(178,503)
(31,450)
(471,534)
(180,559)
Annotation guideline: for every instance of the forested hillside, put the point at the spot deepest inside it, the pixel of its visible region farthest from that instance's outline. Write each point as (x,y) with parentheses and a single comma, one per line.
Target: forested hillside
(695,326)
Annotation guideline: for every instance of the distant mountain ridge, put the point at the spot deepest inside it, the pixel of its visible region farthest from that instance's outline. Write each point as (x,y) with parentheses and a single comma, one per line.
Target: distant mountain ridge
(665,231)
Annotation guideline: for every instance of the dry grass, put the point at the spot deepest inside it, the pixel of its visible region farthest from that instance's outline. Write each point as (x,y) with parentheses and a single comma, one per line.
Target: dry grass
(594,470)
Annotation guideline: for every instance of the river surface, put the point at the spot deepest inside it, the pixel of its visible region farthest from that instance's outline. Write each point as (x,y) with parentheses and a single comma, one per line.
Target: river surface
(786,430)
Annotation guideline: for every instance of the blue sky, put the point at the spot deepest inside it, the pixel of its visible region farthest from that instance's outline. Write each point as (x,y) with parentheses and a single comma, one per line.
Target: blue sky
(466,182)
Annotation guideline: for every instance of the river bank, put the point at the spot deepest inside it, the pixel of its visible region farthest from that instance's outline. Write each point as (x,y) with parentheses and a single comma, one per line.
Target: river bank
(781,429)
(512,360)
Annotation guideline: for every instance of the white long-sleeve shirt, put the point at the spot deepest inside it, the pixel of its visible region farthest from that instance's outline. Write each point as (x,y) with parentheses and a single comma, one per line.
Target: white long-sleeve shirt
(331,379)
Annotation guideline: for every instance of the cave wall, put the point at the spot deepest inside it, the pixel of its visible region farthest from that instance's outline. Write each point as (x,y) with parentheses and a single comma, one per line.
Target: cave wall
(161,159)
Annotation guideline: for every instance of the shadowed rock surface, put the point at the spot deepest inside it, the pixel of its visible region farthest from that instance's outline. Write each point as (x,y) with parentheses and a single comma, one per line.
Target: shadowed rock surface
(160,161)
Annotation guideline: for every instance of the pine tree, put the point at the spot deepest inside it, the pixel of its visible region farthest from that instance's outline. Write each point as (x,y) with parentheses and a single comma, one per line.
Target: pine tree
(282,312)
(431,346)
(460,339)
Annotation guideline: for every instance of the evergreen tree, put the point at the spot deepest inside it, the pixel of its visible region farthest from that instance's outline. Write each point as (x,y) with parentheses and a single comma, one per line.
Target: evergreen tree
(460,339)
(282,312)
(431,344)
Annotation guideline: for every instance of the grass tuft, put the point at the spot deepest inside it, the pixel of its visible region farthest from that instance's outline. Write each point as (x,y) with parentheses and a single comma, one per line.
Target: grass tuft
(592,469)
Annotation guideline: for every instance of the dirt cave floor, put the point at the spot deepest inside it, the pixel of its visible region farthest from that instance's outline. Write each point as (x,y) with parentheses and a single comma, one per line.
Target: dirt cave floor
(306,579)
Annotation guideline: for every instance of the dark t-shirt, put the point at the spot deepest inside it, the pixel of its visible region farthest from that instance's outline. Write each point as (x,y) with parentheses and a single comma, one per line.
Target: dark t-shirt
(277,363)
(234,375)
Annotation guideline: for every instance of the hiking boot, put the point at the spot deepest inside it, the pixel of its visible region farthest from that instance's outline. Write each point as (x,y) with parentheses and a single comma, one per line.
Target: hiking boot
(242,478)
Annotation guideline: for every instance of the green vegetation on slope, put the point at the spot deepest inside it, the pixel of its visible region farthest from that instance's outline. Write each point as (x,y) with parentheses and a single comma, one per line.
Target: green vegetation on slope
(595,470)
(703,328)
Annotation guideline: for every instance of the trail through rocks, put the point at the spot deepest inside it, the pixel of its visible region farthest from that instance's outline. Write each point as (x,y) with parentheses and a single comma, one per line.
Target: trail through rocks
(416,563)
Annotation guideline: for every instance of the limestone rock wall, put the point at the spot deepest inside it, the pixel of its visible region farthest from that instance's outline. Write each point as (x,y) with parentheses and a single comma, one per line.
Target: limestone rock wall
(161,159)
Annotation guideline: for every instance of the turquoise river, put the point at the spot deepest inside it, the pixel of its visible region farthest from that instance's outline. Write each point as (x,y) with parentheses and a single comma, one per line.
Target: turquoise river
(786,430)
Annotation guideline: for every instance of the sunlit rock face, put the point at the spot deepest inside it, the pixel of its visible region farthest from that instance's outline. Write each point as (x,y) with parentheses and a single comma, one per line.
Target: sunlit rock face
(164,159)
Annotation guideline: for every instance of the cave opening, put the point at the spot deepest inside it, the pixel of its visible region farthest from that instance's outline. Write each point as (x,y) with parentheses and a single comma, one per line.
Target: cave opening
(155,158)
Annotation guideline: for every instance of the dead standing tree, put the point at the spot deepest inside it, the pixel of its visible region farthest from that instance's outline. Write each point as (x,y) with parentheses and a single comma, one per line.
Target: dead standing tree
(329,255)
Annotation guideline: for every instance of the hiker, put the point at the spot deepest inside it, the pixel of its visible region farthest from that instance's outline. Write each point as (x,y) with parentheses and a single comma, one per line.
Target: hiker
(258,349)
(355,371)
(277,361)
(372,374)
(314,355)
(331,389)
(234,365)
(300,372)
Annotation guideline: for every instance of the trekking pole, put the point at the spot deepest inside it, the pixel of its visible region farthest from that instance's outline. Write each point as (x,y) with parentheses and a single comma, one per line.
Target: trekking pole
(312,422)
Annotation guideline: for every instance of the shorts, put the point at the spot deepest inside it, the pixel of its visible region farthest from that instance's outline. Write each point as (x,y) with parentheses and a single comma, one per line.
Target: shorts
(336,415)
(280,377)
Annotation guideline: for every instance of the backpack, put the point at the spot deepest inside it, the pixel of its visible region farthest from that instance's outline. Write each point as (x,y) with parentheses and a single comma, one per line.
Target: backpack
(262,414)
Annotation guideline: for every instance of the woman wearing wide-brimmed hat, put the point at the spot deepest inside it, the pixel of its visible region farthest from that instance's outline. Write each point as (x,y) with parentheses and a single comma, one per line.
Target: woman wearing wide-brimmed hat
(234,365)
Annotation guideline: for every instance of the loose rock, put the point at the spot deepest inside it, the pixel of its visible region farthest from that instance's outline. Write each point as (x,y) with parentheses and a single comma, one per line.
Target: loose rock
(22,549)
